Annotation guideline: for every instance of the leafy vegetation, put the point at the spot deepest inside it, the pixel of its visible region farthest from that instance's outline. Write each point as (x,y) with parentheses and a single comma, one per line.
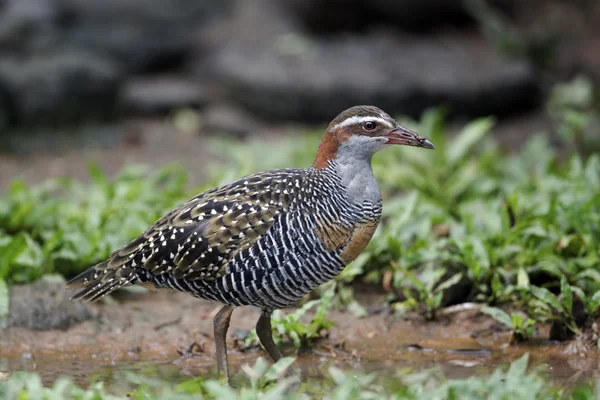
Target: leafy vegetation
(521,325)
(512,383)
(292,326)
(575,110)
(63,226)
(466,222)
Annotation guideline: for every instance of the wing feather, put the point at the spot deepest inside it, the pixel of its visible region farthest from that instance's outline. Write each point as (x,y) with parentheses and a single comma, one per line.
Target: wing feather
(199,238)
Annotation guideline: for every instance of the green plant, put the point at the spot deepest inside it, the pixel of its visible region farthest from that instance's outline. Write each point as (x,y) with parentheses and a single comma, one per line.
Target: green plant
(426,291)
(23,386)
(512,383)
(65,226)
(521,325)
(447,175)
(539,220)
(591,303)
(291,327)
(555,307)
(575,109)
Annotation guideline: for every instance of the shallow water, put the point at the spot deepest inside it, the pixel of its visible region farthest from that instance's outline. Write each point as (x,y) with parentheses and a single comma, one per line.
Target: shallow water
(147,335)
(455,363)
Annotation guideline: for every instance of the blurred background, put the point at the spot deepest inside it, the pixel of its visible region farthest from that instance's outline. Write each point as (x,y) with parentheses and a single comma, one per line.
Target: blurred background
(148,80)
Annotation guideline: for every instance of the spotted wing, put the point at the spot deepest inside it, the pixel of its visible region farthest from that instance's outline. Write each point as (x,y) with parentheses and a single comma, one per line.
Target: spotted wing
(198,238)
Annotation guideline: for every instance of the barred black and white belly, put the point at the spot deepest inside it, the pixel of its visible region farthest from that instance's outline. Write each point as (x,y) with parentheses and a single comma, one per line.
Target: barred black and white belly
(303,249)
(283,266)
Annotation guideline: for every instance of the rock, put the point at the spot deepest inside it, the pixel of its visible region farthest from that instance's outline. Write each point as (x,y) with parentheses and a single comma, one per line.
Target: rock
(325,16)
(28,25)
(455,344)
(298,79)
(59,86)
(142,34)
(62,60)
(44,305)
(225,118)
(161,94)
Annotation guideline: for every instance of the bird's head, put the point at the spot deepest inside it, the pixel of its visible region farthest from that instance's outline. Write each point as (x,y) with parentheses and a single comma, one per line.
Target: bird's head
(361,131)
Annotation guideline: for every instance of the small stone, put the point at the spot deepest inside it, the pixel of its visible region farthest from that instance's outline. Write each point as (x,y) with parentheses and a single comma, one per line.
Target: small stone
(59,85)
(460,344)
(45,305)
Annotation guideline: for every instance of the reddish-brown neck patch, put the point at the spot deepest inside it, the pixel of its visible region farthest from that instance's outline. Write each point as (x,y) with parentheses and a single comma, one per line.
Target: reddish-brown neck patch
(328,149)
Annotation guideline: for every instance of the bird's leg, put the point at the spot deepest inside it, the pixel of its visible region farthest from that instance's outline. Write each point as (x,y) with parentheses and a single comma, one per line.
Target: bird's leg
(265,335)
(221,324)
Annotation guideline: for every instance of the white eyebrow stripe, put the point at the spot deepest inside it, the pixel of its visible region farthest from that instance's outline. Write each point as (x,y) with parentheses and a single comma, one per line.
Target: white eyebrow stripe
(355,120)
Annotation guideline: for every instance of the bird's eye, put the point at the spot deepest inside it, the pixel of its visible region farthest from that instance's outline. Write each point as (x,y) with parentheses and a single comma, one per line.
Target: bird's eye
(369,125)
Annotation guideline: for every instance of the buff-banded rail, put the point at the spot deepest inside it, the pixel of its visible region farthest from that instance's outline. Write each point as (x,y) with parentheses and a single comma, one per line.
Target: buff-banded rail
(267,239)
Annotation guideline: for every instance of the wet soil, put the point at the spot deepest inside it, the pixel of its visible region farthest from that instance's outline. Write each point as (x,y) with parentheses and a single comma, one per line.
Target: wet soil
(170,335)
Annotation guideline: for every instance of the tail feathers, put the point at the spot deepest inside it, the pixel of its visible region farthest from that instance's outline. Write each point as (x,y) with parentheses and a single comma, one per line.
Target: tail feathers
(100,280)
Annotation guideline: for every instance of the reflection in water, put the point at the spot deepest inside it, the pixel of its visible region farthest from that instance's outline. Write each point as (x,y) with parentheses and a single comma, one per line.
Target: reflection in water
(454,361)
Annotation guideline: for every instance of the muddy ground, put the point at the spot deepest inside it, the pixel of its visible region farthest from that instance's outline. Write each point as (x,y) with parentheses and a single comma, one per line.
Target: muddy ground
(170,334)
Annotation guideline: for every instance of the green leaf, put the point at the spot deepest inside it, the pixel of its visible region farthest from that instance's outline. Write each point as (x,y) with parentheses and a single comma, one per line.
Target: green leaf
(496,284)
(4,304)
(96,174)
(522,279)
(588,273)
(499,315)
(518,368)
(449,283)
(517,320)
(593,303)
(410,203)
(9,253)
(468,138)
(277,370)
(219,391)
(547,297)
(567,295)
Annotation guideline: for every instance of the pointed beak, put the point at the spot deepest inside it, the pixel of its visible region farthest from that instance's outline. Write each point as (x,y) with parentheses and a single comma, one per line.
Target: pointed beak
(406,137)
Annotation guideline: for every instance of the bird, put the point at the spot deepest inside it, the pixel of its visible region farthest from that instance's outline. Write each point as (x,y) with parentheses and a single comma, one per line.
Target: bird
(267,239)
